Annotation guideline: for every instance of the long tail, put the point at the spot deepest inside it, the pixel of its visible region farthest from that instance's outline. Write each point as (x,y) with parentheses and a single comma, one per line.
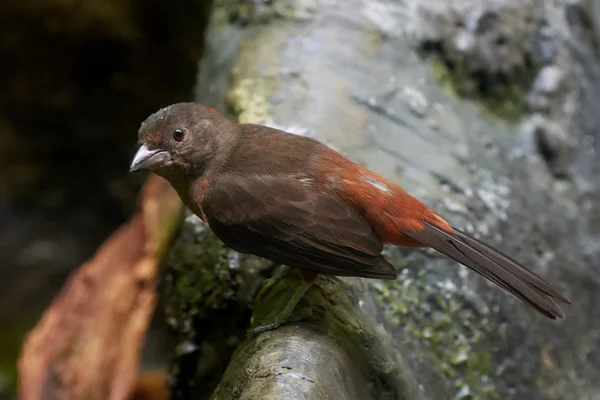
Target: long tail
(493,265)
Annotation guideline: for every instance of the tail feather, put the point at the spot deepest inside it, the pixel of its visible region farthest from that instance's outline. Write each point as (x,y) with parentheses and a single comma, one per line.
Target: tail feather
(494,266)
(520,270)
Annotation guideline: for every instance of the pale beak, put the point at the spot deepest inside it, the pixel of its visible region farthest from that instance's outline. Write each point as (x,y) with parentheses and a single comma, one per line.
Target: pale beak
(146,159)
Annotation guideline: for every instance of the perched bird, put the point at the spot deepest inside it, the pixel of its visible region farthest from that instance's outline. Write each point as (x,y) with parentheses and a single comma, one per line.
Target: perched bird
(295,201)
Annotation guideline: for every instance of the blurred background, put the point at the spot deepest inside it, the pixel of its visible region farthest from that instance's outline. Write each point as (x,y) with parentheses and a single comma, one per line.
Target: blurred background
(76,78)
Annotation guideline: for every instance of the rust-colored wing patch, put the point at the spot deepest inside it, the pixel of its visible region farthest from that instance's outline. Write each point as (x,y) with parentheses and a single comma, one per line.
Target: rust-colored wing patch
(87,344)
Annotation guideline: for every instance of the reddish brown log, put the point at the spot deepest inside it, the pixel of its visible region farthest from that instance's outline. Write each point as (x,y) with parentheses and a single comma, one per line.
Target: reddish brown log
(151,386)
(87,344)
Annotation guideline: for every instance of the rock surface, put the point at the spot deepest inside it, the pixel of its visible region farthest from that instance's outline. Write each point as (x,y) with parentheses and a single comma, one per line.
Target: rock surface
(364,77)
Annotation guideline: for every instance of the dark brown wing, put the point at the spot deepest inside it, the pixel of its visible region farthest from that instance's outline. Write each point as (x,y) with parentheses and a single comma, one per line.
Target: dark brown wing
(284,220)
(495,266)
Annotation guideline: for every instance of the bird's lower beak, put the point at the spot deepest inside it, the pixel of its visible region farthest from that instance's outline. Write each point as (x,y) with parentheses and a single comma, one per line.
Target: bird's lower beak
(146,159)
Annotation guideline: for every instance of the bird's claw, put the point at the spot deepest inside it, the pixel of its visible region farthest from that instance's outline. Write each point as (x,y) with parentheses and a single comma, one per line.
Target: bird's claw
(277,322)
(264,328)
(268,284)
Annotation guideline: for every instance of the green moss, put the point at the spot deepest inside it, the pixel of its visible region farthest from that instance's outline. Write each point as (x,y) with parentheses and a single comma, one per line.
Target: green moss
(498,100)
(249,99)
(208,290)
(197,280)
(252,83)
(441,326)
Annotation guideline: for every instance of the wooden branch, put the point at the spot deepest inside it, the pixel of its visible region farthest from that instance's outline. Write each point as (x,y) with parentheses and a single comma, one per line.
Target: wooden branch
(87,344)
(338,349)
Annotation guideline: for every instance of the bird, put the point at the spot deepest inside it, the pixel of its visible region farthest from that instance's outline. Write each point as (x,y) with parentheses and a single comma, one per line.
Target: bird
(295,201)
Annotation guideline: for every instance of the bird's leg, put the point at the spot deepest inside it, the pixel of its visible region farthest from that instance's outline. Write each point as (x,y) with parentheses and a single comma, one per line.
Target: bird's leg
(283,315)
(268,284)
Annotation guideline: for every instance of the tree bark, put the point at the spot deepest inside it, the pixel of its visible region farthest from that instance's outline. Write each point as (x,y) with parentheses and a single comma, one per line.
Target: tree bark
(338,348)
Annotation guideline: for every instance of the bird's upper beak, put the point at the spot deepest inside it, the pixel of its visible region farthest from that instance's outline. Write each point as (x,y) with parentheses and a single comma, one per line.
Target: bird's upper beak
(146,159)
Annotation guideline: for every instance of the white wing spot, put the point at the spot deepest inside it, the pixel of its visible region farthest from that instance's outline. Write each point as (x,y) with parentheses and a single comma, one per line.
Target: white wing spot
(378,184)
(307,182)
(332,183)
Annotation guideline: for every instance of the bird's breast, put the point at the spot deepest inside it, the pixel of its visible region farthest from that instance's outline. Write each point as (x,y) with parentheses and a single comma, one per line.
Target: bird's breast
(192,196)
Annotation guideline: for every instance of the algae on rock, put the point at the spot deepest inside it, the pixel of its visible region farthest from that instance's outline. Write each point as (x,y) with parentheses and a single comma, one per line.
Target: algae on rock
(208,292)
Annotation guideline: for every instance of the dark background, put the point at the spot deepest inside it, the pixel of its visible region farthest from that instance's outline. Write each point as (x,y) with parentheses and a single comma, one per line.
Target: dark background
(76,78)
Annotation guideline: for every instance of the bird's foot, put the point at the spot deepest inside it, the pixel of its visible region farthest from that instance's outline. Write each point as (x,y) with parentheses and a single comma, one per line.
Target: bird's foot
(287,313)
(268,284)
(277,322)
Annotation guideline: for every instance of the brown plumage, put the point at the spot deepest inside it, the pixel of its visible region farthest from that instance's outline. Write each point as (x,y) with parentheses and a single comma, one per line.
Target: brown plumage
(295,201)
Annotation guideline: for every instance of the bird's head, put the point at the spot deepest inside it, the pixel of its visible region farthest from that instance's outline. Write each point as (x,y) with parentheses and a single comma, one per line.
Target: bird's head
(180,140)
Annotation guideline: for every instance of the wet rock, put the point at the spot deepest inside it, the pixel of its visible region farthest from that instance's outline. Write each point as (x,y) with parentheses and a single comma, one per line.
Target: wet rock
(416,101)
(488,37)
(490,51)
(545,89)
(553,144)
(548,80)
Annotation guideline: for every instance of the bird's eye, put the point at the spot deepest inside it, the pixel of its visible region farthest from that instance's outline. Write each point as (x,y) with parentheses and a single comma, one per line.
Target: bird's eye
(178,135)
